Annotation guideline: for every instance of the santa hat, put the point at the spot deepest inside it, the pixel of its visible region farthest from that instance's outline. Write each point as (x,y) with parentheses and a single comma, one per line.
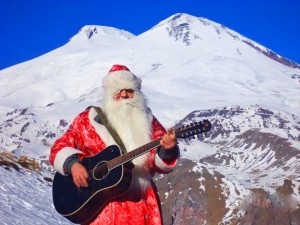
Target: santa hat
(119,77)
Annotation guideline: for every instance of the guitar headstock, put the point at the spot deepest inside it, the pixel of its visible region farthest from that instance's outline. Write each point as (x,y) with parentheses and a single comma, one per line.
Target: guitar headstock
(193,129)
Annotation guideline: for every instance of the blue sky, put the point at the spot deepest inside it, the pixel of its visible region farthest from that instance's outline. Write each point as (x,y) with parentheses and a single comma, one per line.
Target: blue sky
(30,28)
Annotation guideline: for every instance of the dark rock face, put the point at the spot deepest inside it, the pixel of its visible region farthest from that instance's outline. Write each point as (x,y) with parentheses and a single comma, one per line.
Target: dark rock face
(270,209)
(191,197)
(181,197)
(186,199)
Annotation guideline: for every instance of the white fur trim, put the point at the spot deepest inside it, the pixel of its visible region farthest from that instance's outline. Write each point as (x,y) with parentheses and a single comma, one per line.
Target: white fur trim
(118,80)
(162,165)
(61,157)
(101,130)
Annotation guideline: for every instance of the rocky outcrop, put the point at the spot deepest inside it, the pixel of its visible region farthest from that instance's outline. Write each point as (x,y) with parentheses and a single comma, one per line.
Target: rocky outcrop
(199,197)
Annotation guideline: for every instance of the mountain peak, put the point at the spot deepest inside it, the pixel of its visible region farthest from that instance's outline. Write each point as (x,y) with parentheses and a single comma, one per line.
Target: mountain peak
(178,26)
(188,29)
(90,31)
(95,32)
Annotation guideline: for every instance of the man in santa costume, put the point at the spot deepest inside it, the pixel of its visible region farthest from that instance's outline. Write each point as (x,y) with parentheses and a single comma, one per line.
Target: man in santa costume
(126,109)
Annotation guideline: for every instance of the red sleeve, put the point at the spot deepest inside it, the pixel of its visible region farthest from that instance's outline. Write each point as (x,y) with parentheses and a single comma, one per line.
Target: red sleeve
(157,164)
(157,129)
(68,139)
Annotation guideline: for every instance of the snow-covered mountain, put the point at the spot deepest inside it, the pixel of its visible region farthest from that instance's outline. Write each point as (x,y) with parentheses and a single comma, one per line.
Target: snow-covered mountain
(192,68)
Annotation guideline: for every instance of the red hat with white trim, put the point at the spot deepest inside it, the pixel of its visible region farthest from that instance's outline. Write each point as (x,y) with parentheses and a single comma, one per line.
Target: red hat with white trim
(120,77)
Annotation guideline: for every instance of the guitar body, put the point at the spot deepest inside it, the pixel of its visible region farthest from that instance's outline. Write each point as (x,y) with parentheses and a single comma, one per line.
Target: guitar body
(82,204)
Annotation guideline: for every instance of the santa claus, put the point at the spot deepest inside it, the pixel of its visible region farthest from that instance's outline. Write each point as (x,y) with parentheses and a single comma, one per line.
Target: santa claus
(125,107)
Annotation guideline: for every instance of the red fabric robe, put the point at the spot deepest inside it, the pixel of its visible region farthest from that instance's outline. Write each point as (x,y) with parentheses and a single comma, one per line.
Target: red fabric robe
(87,137)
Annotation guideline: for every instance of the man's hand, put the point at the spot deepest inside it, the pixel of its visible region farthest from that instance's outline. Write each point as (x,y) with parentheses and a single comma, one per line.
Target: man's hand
(80,175)
(168,141)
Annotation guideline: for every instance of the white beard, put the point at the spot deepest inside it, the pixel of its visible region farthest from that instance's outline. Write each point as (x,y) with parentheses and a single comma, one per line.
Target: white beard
(132,120)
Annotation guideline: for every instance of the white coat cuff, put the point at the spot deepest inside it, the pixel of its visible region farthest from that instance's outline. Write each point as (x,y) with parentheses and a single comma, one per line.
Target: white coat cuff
(164,166)
(61,157)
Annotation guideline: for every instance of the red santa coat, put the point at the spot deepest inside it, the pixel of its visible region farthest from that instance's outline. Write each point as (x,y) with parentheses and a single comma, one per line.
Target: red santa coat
(87,137)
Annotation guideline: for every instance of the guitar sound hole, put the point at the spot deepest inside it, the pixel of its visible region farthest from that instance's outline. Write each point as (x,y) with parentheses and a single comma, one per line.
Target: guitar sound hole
(101,170)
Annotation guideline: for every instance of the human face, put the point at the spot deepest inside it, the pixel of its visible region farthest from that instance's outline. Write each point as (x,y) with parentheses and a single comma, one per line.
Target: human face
(124,94)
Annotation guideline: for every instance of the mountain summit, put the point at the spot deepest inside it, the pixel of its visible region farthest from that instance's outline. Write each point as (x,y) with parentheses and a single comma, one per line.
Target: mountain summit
(101,33)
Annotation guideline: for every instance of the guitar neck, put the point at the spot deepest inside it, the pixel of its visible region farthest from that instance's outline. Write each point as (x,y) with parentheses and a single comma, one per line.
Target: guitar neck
(133,154)
(183,132)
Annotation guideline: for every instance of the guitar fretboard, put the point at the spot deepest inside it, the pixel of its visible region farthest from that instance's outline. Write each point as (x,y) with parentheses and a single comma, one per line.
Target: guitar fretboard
(133,154)
(183,132)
